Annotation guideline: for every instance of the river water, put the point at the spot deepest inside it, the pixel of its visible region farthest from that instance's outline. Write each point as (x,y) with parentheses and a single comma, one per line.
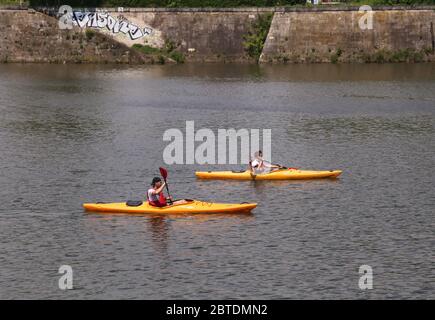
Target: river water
(71,134)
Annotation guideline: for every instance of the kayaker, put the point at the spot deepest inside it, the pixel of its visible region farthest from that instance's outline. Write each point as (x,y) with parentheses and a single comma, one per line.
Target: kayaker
(258,165)
(155,194)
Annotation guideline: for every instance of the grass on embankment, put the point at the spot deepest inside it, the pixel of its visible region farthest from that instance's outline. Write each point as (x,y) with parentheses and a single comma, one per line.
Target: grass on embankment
(13,3)
(161,55)
(405,55)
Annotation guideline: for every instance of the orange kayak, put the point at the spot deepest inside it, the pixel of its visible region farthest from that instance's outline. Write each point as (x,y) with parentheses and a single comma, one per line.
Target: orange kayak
(282,174)
(193,206)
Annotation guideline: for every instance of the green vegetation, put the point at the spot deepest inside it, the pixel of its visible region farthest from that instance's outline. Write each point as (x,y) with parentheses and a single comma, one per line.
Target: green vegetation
(202,3)
(89,34)
(387,2)
(177,56)
(254,40)
(336,55)
(13,2)
(146,49)
(160,59)
(405,55)
(168,51)
(167,3)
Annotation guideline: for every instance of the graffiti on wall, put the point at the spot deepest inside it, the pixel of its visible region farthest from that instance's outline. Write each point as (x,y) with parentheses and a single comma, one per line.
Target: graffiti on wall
(114,25)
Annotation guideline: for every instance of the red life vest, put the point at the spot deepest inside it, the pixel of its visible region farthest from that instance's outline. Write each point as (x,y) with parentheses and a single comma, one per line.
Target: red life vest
(162,198)
(160,203)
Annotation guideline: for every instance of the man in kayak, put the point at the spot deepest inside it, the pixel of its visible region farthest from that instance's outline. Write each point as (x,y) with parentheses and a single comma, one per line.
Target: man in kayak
(156,197)
(258,165)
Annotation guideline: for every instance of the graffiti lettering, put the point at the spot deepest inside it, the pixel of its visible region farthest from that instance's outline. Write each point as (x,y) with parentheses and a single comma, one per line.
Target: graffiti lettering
(105,20)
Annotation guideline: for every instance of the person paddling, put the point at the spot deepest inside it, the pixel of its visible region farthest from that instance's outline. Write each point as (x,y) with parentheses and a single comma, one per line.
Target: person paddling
(258,165)
(156,196)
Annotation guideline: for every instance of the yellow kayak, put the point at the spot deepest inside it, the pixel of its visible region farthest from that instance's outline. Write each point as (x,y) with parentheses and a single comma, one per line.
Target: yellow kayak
(192,206)
(282,174)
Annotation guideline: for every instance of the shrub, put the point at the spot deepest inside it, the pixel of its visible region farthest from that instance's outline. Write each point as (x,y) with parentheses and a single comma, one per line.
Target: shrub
(379,57)
(169,46)
(89,34)
(146,49)
(161,59)
(177,56)
(334,58)
(254,40)
(160,54)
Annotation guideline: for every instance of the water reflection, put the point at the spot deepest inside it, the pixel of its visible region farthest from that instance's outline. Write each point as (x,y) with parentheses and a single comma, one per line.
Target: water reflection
(208,186)
(163,225)
(159,227)
(306,72)
(181,218)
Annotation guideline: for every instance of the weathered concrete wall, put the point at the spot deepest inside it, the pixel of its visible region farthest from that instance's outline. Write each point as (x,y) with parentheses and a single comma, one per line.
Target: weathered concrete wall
(200,34)
(296,35)
(335,36)
(210,36)
(36,37)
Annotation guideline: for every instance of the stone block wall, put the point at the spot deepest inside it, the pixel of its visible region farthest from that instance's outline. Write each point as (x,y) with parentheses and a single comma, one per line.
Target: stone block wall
(335,36)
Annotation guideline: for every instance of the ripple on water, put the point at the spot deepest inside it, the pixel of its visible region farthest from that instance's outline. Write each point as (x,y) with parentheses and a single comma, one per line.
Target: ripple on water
(85,133)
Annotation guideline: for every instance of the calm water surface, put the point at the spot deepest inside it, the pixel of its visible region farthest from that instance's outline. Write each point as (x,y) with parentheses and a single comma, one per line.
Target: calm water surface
(74,134)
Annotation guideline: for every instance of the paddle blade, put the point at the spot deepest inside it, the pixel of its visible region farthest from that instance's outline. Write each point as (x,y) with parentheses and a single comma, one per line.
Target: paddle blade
(163,172)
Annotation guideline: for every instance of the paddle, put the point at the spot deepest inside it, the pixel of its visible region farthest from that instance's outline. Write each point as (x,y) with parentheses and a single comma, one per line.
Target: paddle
(280,166)
(275,164)
(164,174)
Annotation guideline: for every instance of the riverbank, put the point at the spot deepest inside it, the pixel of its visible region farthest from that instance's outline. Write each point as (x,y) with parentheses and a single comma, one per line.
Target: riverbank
(247,35)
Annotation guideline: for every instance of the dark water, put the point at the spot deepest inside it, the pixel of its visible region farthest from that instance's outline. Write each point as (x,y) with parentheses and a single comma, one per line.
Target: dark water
(74,134)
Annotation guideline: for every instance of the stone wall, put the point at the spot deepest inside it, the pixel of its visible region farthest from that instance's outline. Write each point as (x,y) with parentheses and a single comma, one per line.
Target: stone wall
(201,36)
(35,37)
(335,36)
(296,35)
